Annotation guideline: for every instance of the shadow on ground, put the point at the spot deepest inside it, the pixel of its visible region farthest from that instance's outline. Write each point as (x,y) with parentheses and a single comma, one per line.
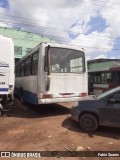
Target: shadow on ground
(39,111)
(102,131)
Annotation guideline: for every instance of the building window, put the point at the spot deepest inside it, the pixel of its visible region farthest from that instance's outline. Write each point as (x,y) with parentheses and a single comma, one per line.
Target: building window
(18,50)
(28,50)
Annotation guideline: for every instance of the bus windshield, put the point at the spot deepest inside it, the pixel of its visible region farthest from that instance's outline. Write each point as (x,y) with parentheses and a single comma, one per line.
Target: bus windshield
(64,60)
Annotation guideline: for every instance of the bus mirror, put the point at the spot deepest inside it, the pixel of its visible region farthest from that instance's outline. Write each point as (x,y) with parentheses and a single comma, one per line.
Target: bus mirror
(48,60)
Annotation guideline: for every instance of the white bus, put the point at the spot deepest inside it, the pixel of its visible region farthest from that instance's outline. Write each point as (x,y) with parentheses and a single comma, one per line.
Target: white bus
(7,75)
(51,73)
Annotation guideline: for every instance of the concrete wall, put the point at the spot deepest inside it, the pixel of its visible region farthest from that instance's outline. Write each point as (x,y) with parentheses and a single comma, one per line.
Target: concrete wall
(23,40)
(96,65)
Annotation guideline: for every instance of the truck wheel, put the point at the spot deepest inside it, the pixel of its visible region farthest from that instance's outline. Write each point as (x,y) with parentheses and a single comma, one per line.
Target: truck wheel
(88,122)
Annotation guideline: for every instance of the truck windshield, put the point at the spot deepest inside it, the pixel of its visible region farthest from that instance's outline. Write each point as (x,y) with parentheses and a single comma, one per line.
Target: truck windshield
(64,60)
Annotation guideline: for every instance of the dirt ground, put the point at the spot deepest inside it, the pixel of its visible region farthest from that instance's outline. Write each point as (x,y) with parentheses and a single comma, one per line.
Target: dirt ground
(50,127)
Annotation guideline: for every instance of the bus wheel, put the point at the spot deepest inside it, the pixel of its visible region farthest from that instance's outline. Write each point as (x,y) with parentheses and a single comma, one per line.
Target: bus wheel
(88,122)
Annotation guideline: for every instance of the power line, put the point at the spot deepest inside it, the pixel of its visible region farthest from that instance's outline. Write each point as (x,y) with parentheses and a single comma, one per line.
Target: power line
(96,4)
(64,38)
(93,48)
(59,29)
(26,25)
(98,48)
(106,2)
(87,46)
(57,32)
(28,21)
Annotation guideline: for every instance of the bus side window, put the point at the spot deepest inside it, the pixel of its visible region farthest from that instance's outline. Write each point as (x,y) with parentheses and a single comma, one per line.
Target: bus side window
(22,68)
(18,72)
(34,63)
(16,69)
(27,67)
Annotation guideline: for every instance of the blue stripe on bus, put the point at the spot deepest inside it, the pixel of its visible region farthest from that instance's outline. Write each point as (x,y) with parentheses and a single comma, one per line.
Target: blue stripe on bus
(27,96)
(3,89)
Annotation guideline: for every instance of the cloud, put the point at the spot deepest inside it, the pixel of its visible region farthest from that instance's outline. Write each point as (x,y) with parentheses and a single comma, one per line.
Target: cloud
(69,21)
(95,42)
(98,43)
(3,11)
(101,57)
(55,17)
(111,14)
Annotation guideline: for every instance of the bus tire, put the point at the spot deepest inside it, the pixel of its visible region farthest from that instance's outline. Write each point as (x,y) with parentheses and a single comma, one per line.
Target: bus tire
(88,122)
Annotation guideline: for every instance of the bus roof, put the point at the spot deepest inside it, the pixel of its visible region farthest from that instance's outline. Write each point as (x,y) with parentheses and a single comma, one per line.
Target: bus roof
(53,45)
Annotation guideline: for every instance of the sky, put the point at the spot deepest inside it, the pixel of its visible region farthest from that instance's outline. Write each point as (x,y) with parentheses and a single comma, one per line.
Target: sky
(89,24)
